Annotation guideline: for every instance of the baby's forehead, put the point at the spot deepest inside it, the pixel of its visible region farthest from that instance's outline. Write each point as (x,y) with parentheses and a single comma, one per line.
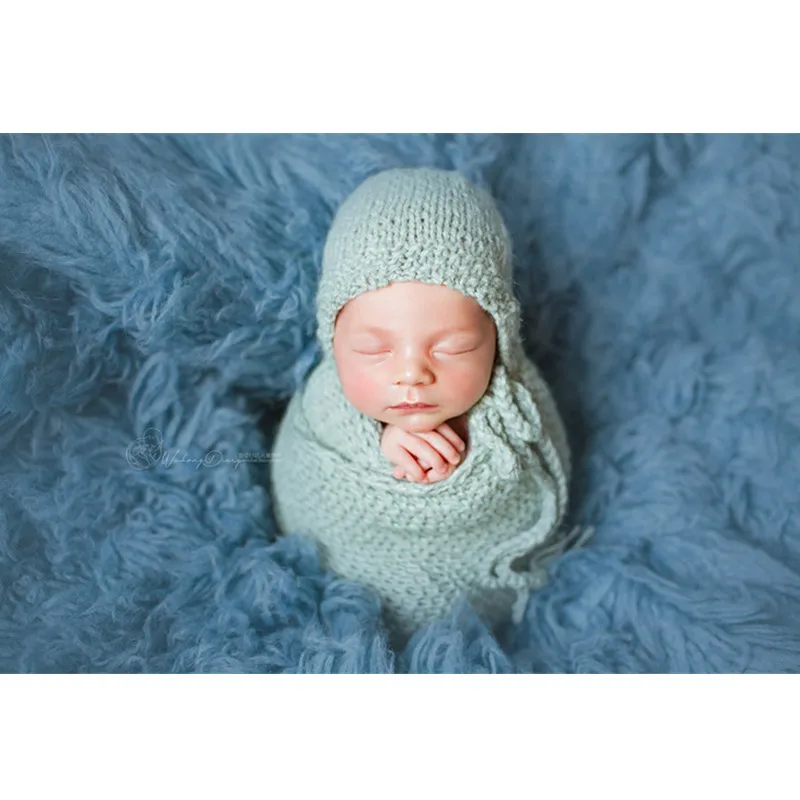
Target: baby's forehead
(424,306)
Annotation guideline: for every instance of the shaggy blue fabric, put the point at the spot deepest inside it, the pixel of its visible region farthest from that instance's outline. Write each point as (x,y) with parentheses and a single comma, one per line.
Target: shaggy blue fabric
(157,312)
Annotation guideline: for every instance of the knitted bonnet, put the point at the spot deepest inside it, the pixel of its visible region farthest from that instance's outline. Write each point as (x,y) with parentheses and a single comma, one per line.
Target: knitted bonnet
(420,224)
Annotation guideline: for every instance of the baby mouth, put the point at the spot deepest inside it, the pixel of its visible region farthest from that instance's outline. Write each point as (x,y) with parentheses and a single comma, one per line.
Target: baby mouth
(408,406)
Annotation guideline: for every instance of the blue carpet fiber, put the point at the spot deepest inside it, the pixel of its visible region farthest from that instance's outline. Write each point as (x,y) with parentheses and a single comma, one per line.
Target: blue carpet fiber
(157,312)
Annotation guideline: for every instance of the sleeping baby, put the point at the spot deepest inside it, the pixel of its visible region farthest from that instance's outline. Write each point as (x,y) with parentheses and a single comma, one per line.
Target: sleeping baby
(424,454)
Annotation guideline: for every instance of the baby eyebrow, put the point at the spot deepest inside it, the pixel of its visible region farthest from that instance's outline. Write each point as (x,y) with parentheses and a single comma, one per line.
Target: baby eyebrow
(438,334)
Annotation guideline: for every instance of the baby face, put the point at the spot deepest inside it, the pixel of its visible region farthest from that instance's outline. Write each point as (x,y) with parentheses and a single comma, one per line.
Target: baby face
(412,342)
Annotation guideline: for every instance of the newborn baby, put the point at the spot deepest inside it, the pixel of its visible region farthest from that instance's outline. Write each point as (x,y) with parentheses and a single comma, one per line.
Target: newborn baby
(460,494)
(416,344)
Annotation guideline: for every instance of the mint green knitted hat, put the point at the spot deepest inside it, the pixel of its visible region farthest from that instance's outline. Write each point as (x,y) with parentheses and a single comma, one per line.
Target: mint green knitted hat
(420,224)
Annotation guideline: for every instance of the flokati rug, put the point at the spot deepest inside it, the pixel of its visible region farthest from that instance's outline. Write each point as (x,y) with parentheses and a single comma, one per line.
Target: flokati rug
(157,312)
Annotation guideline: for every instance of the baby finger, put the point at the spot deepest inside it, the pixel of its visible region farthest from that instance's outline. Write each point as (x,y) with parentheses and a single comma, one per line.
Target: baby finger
(423,450)
(448,433)
(442,446)
(412,469)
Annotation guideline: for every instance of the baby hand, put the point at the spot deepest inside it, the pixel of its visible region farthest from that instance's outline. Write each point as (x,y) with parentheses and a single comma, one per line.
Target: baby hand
(427,457)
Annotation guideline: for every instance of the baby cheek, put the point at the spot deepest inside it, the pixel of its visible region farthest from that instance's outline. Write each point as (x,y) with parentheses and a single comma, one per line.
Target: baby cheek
(466,384)
(361,389)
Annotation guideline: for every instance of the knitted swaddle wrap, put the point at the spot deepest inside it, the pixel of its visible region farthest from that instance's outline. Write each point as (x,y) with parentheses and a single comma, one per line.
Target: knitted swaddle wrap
(485,531)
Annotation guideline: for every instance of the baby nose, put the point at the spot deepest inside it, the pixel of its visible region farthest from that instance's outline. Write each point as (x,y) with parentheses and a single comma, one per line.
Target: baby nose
(414,373)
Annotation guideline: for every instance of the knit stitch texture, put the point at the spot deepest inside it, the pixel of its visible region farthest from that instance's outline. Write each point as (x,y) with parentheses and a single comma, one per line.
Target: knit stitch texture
(475,535)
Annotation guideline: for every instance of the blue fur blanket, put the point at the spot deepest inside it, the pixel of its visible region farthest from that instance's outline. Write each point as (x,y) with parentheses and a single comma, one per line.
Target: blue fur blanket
(157,312)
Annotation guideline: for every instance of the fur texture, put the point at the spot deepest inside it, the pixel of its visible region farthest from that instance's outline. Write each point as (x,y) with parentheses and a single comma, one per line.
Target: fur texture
(157,312)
